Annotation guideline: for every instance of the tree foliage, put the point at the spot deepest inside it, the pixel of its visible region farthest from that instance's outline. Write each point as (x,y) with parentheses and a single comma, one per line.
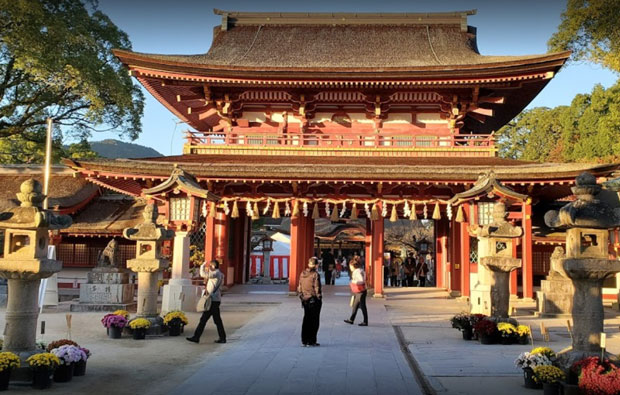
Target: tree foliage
(56,61)
(589,28)
(404,233)
(587,130)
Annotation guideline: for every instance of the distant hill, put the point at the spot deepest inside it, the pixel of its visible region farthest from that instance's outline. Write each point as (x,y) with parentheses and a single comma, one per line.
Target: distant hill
(113,149)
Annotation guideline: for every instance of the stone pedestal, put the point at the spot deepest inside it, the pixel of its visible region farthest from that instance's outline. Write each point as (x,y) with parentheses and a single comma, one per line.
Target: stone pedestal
(147,264)
(555,298)
(107,289)
(179,293)
(499,284)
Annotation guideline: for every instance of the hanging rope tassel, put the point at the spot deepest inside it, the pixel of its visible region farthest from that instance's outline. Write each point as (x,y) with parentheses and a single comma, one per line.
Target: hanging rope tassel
(295,213)
(414,214)
(212,210)
(334,216)
(255,213)
(315,211)
(436,212)
(354,211)
(374,214)
(235,210)
(276,211)
(394,214)
(460,216)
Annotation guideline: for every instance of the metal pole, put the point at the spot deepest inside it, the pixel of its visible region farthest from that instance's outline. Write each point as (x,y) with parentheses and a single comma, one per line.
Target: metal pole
(48,163)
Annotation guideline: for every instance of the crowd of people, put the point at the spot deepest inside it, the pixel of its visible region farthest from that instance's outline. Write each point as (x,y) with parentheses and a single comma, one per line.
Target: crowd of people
(411,272)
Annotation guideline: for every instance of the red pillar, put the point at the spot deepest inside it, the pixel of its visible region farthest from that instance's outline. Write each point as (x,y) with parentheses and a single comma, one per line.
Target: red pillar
(368,251)
(464,254)
(455,253)
(309,231)
(526,255)
(514,285)
(298,251)
(440,252)
(239,247)
(221,243)
(209,238)
(377,253)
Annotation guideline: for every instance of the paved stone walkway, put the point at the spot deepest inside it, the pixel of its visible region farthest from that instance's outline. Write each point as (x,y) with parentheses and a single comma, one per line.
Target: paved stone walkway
(266,357)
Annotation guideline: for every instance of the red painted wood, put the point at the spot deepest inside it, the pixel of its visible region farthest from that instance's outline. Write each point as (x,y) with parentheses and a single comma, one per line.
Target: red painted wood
(377,252)
(464,253)
(297,253)
(221,248)
(440,252)
(527,265)
(209,238)
(455,253)
(368,251)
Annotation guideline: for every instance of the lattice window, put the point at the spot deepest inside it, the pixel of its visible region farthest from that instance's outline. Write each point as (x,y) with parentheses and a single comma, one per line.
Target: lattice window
(473,250)
(485,213)
(197,238)
(424,141)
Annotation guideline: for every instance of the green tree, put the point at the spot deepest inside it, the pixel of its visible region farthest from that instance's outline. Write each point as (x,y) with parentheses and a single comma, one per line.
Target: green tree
(589,28)
(587,130)
(56,61)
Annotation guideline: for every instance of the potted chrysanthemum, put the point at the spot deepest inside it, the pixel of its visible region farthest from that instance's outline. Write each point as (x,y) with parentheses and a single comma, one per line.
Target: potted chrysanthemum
(43,366)
(539,356)
(80,366)
(139,327)
(115,324)
(8,362)
(550,377)
(68,356)
(486,331)
(524,333)
(175,321)
(507,332)
(60,343)
(124,313)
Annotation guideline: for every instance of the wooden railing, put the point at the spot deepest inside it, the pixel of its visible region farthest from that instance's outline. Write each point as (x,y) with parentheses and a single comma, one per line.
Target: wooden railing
(342,141)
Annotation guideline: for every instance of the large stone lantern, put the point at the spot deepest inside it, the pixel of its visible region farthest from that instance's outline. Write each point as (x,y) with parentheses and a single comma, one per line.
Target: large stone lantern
(587,221)
(25,263)
(491,296)
(149,237)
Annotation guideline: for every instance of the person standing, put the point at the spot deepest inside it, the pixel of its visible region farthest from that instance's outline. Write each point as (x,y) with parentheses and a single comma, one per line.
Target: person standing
(328,266)
(309,290)
(213,286)
(409,270)
(422,271)
(358,289)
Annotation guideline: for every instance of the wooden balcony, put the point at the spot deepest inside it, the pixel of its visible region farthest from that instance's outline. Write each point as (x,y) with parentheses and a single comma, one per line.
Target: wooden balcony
(380,144)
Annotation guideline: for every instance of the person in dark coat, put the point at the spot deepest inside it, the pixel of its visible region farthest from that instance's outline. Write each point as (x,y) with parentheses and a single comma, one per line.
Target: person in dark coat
(309,290)
(329,263)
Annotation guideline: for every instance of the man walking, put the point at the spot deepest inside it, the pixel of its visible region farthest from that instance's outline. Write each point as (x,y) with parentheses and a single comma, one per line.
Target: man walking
(213,282)
(328,266)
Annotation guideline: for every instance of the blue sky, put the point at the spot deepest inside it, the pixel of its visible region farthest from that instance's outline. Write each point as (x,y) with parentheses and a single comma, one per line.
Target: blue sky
(185,27)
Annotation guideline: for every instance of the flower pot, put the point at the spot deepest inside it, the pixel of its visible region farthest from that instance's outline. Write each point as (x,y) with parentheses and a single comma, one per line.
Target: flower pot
(175,329)
(524,340)
(63,373)
(506,340)
(115,332)
(551,389)
(486,339)
(139,333)
(569,389)
(5,375)
(79,368)
(528,378)
(42,378)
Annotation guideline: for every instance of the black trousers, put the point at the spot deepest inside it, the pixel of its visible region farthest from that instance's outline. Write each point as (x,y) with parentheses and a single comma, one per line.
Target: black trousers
(410,281)
(312,318)
(422,281)
(359,301)
(217,319)
(328,277)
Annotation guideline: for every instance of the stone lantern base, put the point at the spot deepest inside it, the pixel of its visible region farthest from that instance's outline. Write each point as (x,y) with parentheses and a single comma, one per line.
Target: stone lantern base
(555,298)
(107,289)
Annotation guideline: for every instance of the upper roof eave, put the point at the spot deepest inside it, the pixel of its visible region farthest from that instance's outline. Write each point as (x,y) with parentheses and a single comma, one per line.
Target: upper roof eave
(516,64)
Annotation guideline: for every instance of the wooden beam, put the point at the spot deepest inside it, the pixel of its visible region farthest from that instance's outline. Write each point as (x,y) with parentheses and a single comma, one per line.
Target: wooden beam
(492,99)
(181,98)
(477,117)
(483,111)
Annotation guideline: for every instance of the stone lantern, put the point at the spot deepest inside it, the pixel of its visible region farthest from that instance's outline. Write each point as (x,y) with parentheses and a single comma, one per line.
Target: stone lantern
(149,237)
(25,263)
(491,296)
(587,221)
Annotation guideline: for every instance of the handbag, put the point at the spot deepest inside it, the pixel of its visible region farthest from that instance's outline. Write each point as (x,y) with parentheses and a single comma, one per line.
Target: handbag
(205,301)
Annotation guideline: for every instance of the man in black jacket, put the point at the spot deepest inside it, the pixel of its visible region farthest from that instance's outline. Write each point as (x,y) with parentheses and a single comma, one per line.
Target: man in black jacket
(328,266)
(309,290)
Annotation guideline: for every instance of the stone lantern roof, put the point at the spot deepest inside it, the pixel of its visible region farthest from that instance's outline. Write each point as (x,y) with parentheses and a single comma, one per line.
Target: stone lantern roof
(587,211)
